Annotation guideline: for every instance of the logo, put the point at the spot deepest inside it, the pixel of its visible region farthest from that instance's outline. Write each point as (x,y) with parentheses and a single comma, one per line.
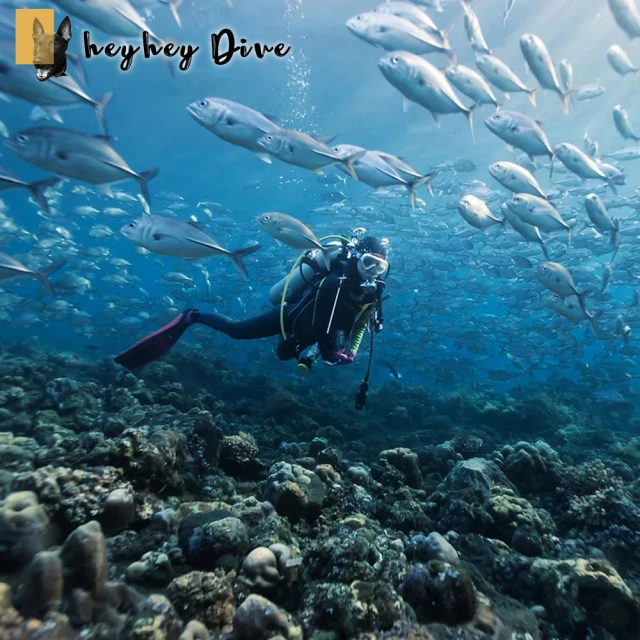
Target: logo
(37,44)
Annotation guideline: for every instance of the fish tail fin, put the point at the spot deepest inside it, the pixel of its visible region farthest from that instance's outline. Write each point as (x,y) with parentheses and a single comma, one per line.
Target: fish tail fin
(593,322)
(349,162)
(99,106)
(612,186)
(236,258)
(43,275)
(166,59)
(326,255)
(38,188)
(499,106)
(173,7)
(452,57)
(469,115)
(143,180)
(426,181)
(553,159)
(566,101)
(75,60)
(533,93)
(615,234)
(545,250)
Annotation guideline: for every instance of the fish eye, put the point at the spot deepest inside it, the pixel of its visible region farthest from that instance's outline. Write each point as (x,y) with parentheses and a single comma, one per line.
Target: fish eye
(22,138)
(132,225)
(203,103)
(395,60)
(266,218)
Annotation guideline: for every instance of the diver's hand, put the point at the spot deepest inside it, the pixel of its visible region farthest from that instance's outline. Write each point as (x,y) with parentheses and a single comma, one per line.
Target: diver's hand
(345,356)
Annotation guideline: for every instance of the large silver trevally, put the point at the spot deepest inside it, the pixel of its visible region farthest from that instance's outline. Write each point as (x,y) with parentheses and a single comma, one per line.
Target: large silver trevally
(599,216)
(114,17)
(12,268)
(302,150)
(371,168)
(521,132)
(473,29)
(477,213)
(420,82)
(293,233)
(623,125)
(413,13)
(58,93)
(37,189)
(503,77)
(516,178)
(235,123)
(148,5)
(393,33)
(472,84)
(528,231)
(627,16)
(181,239)
(578,162)
(538,212)
(620,61)
(541,64)
(76,155)
(558,279)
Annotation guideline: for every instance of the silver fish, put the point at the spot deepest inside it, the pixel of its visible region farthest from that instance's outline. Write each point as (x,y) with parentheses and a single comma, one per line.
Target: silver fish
(621,120)
(12,268)
(76,155)
(181,239)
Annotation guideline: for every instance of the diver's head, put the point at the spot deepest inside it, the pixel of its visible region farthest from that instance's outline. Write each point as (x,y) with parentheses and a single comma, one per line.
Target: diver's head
(372,245)
(372,259)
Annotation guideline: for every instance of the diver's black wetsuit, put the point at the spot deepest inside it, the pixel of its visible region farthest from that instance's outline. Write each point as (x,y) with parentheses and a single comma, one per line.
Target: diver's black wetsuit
(331,303)
(306,318)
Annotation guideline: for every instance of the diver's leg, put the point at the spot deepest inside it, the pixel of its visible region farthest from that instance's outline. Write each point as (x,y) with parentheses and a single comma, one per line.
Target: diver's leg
(265,325)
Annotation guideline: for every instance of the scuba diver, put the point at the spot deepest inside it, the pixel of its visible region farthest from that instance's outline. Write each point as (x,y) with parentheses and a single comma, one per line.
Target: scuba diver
(318,313)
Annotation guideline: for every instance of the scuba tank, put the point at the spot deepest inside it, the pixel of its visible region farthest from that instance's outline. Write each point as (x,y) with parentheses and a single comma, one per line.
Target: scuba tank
(303,274)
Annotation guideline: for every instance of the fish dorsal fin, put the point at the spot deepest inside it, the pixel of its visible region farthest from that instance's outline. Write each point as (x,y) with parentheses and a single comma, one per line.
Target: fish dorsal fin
(272,118)
(540,124)
(325,139)
(197,225)
(106,138)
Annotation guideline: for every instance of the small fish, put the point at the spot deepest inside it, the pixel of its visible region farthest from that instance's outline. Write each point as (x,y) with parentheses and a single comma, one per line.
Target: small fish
(293,233)
(588,92)
(566,75)
(507,11)
(520,131)
(501,76)
(558,279)
(476,212)
(541,65)
(627,16)
(621,120)
(620,61)
(393,371)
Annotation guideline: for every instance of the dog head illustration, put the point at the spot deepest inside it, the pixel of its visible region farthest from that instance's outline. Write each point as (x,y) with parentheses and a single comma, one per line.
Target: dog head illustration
(44,44)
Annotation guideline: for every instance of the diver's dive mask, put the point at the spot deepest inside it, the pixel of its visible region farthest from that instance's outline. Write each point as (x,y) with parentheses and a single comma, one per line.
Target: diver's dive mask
(371,267)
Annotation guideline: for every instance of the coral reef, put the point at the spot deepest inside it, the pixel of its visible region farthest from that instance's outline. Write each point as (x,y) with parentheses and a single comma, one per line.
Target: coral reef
(188,504)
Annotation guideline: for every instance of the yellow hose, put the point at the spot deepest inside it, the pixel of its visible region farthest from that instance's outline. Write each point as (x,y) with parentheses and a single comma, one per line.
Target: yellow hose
(288,280)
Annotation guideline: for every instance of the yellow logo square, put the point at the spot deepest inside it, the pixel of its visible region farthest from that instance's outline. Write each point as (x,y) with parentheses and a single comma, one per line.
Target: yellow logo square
(24,33)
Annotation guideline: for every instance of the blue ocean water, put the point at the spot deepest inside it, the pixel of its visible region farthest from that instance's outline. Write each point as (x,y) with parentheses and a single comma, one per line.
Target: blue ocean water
(437,333)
